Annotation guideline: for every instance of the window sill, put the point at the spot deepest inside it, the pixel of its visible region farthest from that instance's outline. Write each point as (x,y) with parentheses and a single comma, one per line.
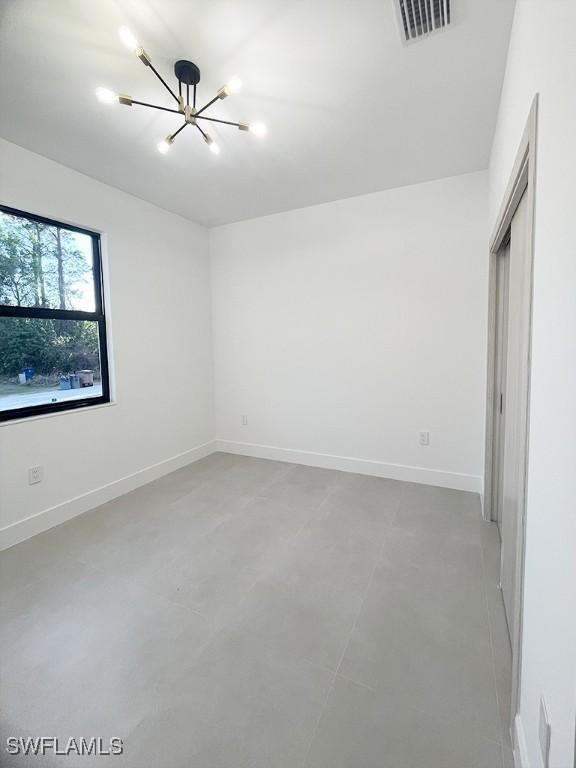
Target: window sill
(39,416)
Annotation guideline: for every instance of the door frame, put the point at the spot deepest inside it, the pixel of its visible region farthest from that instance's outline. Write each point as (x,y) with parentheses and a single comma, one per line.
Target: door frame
(522,181)
(501,275)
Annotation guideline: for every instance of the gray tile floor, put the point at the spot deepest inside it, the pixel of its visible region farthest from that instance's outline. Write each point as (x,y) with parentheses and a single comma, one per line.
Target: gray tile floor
(242,613)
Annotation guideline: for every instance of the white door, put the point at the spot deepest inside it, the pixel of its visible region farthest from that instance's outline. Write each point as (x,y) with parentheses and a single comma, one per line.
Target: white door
(515,407)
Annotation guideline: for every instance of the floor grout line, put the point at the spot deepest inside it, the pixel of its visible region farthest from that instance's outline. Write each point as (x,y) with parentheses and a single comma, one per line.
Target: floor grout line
(347,644)
(356,682)
(291,539)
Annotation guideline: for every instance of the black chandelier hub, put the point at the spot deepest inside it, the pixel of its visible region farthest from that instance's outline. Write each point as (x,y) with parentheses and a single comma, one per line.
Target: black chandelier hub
(187,72)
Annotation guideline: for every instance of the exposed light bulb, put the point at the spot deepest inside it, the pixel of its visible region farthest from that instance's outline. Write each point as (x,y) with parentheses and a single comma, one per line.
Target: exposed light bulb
(214,148)
(258,129)
(128,39)
(106,96)
(233,85)
(165,145)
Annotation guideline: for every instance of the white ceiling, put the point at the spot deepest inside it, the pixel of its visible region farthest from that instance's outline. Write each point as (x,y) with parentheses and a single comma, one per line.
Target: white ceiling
(349,108)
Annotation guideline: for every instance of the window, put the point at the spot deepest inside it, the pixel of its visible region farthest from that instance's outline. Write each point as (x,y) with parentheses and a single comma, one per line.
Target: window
(52,325)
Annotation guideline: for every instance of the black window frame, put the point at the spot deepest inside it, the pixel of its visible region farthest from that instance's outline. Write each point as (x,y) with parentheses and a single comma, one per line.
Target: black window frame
(99,316)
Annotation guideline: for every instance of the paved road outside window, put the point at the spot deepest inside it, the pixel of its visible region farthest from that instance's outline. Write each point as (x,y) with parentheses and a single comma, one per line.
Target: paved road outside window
(7,402)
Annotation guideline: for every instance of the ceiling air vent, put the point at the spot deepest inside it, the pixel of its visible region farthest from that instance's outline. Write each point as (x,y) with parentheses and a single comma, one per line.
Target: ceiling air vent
(422,17)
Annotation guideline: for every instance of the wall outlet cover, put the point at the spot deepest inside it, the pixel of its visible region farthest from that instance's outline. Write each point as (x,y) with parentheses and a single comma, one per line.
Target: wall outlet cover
(35,475)
(424,438)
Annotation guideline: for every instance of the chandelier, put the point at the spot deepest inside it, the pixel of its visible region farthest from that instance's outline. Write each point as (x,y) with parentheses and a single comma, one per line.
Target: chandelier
(188,76)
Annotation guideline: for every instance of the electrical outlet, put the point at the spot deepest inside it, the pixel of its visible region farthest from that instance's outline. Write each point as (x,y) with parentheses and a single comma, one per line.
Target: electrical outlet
(244,420)
(424,438)
(544,732)
(35,475)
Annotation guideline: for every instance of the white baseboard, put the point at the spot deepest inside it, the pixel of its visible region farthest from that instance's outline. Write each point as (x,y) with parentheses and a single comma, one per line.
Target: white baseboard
(48,518)
(422,475)
(520,748)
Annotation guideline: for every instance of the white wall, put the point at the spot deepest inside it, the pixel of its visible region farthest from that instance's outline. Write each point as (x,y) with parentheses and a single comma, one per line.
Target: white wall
(542,58)
(344,329)
(159,308)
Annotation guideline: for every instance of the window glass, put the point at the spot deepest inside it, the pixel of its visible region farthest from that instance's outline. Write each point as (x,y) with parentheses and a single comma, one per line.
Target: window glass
(44,265)
(48,361)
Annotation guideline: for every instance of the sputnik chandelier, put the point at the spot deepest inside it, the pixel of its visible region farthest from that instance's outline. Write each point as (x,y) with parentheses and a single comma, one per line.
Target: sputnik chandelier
(187,75)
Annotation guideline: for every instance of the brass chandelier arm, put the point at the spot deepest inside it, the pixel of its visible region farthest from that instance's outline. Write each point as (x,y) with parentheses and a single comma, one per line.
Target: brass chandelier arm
(196,116)
(164,83)
(216,120)
(204,134)
(205,107)
(242,126)
(156,106)
(173,135)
